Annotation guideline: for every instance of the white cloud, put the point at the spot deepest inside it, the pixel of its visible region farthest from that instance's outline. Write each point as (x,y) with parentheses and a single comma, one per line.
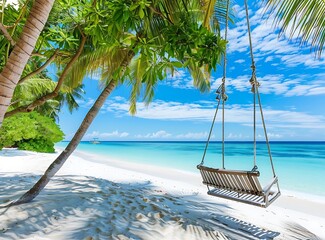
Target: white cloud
(179,79)
(269,59)
(295,85)
(240,61)
(235,136)
(86,103)
(156,135)
(105,135)
(274,135)
(194,135)
(266,41)
(316,91)
(204,111)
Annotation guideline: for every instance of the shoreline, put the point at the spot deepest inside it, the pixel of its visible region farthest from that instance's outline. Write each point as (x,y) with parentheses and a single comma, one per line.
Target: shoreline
(181,194)
(136,167)
(316,202)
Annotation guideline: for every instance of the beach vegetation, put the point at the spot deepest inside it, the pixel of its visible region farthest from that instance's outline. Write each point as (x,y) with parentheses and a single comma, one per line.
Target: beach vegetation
(34,88)
(301,19)
(30,131)
(19,52)
(135,43)
(57,47)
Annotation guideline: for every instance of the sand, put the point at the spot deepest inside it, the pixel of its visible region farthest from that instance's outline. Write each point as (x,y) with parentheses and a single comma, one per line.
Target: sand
(92,200)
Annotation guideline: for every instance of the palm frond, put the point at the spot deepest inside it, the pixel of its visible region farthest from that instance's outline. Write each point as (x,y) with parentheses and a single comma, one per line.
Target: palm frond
(69,96)
(215,13)
(32,89)
(138,68)
(201,78)
(208,8)
(303,18)
(101,63)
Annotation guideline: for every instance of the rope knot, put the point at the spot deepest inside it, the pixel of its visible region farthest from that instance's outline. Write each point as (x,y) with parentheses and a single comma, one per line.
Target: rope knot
(221,92)
(255,84)
(253,67)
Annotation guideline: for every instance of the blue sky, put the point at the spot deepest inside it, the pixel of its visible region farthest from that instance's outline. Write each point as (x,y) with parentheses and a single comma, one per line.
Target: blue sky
(292,93)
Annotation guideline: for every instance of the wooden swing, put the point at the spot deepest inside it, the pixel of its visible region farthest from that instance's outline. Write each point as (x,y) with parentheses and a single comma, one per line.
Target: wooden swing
(238,185)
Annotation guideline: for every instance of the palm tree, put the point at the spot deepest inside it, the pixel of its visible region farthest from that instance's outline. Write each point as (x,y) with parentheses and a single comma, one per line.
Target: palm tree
(35,87)
(22,51)
(153,51)
(303,18)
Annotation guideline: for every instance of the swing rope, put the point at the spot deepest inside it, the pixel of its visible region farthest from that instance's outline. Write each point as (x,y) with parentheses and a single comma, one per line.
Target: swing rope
(253,80)
(239,185)
(224,96)
(212,125)
(255,85)
(221,95)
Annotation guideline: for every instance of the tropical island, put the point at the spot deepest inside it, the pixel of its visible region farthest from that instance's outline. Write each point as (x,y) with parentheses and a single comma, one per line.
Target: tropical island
(110,110)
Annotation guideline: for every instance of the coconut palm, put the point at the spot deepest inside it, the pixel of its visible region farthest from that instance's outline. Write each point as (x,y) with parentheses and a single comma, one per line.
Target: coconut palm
(160,36)
(35,87)
(22,51)
(303,18)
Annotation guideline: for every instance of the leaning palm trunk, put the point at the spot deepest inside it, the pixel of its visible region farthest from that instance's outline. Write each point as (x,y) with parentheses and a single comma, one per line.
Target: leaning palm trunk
(61,159)
(22,51)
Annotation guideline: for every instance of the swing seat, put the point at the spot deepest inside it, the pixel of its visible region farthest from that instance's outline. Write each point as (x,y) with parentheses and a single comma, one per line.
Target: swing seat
(241,186)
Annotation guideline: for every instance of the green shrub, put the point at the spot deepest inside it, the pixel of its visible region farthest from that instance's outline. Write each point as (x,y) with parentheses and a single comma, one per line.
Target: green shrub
(30,131)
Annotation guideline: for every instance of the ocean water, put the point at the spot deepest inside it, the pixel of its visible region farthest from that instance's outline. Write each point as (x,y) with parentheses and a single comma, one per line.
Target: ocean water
(300,166)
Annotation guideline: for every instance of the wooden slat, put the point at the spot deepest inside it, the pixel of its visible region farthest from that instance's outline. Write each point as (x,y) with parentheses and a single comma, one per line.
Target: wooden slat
(253,185)
(239,182)
(211,180)
(227,183)
(242,182)
(246,183)
(233,182)
(216,180)
(205,176)
(257,182)
(242,186)
(219,180)
(224,180)
(233,172)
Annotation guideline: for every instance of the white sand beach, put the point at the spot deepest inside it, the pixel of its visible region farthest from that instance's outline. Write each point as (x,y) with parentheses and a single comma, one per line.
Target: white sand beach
(91,200)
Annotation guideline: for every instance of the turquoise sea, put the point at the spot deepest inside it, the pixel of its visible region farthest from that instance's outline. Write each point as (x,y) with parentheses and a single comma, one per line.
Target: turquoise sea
(300,166)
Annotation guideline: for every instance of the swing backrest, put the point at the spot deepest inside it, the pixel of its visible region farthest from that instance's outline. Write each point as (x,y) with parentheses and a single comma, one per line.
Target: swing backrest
(234,180)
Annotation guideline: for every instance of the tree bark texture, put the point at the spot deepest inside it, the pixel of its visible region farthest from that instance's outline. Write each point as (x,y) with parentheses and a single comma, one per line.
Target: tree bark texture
(22,51)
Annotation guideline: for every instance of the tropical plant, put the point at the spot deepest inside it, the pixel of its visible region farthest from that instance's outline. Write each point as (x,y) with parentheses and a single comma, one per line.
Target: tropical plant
(30,131)
(147,33)
(59,43)
(302,18)
(21,52)
(32,89)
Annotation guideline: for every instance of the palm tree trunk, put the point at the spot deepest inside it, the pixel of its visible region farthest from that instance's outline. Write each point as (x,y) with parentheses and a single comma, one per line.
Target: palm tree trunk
(61,159)
(22,51)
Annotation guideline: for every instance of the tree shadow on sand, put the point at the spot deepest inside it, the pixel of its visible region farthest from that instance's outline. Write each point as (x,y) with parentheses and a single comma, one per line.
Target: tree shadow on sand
(78,207)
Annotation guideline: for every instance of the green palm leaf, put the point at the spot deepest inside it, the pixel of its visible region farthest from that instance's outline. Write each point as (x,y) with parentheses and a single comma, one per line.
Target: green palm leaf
(305,18)
(215,13)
